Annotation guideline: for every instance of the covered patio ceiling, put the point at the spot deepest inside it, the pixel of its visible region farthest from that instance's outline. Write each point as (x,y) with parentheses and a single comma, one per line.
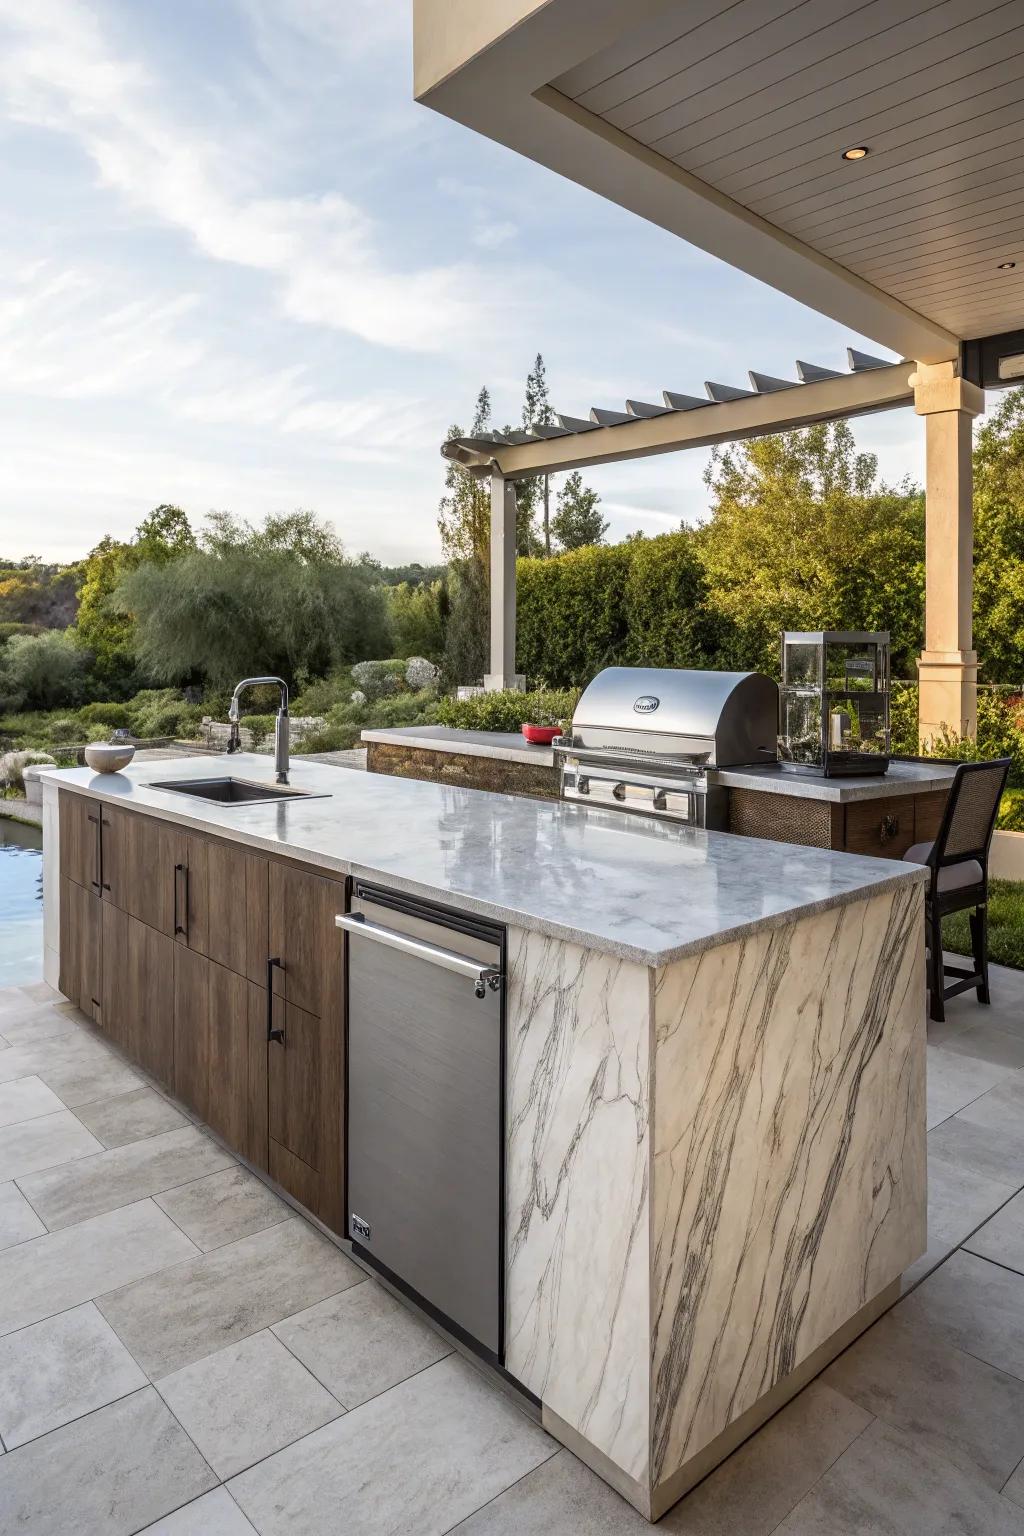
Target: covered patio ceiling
(726,121)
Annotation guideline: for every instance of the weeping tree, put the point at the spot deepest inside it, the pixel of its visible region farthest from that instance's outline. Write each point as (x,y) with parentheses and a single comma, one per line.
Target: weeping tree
(280,598)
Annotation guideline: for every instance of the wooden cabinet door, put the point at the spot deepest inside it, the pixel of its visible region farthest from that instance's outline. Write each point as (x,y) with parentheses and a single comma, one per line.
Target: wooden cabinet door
(139,857)
(80,946)
(304,940)
(236,896)
(227,1056)
(148,1000)
(192,1028)
(79,839)
(115,1012)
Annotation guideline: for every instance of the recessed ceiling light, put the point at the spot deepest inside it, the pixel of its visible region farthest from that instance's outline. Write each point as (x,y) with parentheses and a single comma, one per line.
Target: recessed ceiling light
(858,153)
(1006,266)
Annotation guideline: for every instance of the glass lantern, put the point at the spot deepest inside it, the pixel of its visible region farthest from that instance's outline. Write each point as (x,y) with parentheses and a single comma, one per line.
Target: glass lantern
(834,703)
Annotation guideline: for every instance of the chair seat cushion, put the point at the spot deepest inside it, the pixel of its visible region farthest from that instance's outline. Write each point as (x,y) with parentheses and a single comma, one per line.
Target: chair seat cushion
(954,876)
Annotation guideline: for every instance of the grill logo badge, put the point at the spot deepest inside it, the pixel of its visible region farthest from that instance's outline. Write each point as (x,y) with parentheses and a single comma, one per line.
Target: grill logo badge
(647,704)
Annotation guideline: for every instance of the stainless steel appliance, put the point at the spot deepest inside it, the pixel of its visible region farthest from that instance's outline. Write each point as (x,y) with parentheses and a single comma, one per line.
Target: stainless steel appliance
(834,703)
(644,739)
(426,1105)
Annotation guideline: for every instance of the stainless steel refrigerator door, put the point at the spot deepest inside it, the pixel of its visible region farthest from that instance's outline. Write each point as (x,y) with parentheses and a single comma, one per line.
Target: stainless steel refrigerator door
(425,1121)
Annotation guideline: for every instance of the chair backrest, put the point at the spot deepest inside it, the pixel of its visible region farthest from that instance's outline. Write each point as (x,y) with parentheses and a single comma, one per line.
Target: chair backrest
(970,814)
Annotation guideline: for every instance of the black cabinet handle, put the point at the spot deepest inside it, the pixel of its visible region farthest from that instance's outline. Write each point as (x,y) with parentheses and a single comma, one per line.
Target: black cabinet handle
(178,926)
(97,881)
(272,1033)
(103,823)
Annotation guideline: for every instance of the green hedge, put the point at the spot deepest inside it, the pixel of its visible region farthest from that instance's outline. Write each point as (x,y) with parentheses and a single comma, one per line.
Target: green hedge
(508,710)
(641,603)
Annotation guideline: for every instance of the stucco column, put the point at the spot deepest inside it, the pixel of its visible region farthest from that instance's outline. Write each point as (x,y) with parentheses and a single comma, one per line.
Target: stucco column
(948,665)
(503,587)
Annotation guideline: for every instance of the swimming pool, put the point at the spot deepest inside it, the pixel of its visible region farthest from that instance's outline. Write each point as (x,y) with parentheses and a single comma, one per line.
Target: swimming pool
(21,903)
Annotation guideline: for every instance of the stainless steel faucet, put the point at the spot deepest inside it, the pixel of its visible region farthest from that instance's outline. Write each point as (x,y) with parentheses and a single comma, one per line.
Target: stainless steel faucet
(280,724)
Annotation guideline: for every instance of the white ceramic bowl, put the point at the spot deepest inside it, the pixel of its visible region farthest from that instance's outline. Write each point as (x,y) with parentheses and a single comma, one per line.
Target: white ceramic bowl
(108,757)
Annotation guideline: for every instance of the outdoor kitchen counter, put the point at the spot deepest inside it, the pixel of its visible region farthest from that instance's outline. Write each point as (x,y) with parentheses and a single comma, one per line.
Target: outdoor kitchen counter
(632,887)
(713,1085)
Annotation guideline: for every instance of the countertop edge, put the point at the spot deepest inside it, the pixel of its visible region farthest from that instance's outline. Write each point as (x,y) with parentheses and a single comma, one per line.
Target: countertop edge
(653,959)
(522,752)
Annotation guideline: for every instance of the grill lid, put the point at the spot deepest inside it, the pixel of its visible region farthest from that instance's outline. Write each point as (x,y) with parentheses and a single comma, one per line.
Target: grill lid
(720,718)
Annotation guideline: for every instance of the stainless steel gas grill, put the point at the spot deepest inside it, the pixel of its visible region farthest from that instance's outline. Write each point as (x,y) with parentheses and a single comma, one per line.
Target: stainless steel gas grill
(644,738)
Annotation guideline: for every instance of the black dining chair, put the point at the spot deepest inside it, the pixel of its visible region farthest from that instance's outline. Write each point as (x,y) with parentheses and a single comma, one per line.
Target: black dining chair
(958,860)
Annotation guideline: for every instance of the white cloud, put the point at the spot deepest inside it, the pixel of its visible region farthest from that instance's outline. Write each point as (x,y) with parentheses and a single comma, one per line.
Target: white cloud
(57,71)
(489,236)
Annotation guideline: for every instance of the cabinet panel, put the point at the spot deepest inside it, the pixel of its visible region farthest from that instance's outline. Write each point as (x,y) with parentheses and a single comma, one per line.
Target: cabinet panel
(148,1000)
(301,1181)
(293,1073)
(115,1012)
(928,811)
(79,839)
(237,893)
(303,937)
(139,855)
(882,828)
(227,1056)
(192,1028)
(80,941)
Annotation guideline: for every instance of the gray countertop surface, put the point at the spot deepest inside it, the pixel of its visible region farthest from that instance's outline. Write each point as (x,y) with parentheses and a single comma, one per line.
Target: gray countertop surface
(644,890)
(901,779)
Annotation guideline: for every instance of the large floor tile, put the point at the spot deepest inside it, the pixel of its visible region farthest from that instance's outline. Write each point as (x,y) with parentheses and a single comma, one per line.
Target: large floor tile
(223,1207)
(977,1306)
(988,1042)
(890,1483)
(959,1200)
(58,1370)
(26,1098)
(63,1269)
(1014,1489)
(247,1401)
(130,1117)
(419,1459)
(170,1319)
(769,1475)
(1002,1238)
(43,1143)
(922,1384)
(955,1080)
(974,1140)
(117,1469)
(78,1067)
(120,1177)
(38,1022)
(18,1221)
(361,1342)
(215,1514)
(561,1497)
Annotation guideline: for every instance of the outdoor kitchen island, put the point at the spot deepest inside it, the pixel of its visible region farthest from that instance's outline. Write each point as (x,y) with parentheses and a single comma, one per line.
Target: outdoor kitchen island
(713,1113)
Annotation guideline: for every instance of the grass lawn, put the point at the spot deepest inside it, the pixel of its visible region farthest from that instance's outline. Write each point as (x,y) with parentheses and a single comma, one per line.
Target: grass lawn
(1005,925)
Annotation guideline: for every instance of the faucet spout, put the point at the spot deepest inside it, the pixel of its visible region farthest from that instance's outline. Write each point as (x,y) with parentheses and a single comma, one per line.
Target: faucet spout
(281,730)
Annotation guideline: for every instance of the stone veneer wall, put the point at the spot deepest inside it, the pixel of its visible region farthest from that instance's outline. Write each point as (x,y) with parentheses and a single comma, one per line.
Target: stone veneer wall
(468,770)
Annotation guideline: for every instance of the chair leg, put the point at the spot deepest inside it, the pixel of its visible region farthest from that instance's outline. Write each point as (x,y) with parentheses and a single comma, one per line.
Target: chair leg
(979,944)
(936,972)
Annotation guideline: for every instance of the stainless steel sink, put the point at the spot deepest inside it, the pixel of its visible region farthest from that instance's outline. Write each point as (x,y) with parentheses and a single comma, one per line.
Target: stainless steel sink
(230,791)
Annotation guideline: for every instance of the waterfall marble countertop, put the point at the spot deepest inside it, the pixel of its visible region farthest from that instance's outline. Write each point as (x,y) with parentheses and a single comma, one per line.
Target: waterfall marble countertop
(642,890)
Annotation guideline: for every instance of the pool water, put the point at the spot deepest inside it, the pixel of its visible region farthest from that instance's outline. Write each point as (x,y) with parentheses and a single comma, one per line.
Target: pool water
(21,903)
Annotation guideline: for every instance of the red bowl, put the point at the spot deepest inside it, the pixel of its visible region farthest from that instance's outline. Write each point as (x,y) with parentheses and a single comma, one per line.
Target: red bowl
(541,735)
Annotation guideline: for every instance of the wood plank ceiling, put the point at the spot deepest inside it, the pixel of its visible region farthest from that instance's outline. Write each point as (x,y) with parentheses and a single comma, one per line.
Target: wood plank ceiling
(759,98)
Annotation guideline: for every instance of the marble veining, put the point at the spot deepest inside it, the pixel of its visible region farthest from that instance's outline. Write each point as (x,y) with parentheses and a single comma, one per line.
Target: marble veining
(639,889)
(788,1151)
(577,1170)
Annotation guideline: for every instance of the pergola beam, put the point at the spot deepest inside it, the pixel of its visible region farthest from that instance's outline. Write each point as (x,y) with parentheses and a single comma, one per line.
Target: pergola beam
(635,437)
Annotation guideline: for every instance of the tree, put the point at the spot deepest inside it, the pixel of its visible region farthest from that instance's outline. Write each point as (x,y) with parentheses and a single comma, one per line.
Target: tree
(280,598)
(803,535)
(999,541)
(42,671)
(464,523)
(106,628)
(577,521)
(537,412)
(416,619)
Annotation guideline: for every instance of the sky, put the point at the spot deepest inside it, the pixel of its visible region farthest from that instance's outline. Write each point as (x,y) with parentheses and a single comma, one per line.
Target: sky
(241,269)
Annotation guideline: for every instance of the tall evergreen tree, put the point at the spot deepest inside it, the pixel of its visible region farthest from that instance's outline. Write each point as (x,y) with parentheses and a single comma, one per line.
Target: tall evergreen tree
(537,412)
(578,521)
(464,522)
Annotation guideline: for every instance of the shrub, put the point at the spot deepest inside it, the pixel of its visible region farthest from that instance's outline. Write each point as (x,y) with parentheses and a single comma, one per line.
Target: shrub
(162,712)
(377,679)
(259,728)
(322,693)
(421,673)
(13,765)
(114,716)
(1011,811)
(507,710)
(44,671)
(60,732)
